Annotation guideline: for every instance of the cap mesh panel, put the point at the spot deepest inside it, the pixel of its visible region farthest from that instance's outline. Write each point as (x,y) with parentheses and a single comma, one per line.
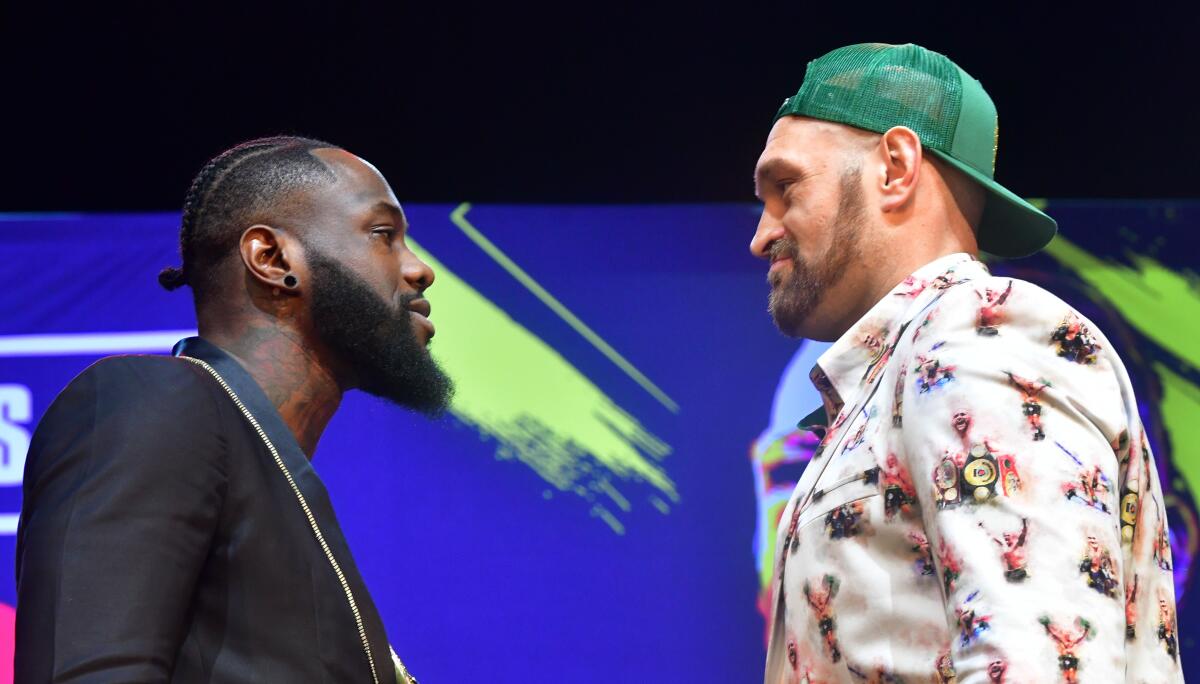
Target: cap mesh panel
(876,86)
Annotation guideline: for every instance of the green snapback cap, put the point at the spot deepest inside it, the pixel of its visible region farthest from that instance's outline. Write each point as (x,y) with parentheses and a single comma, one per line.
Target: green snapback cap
(875,86)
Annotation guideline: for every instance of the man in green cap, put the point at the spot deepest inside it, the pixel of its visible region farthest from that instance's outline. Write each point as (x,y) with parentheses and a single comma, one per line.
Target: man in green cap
(983,505)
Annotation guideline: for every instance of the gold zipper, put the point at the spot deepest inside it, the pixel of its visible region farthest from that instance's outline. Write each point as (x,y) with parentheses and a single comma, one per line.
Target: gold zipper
(312,521)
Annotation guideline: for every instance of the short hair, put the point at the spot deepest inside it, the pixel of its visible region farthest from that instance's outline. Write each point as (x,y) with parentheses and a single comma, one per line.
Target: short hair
(239,187)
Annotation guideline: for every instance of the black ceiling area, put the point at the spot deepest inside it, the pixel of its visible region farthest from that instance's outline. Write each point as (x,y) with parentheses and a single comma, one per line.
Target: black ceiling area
(113,106)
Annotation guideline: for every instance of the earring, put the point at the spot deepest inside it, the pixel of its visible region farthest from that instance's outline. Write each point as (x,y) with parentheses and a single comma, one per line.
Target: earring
(290,280)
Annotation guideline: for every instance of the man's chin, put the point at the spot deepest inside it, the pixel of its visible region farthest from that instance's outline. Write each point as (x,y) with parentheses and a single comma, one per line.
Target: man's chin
(787,311)
(787,324)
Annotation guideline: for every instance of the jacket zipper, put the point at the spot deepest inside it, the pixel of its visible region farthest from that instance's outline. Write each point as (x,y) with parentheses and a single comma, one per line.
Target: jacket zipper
(312,521)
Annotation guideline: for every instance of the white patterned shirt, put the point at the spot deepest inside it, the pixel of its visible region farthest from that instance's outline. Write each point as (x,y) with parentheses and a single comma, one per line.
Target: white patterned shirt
(984,507)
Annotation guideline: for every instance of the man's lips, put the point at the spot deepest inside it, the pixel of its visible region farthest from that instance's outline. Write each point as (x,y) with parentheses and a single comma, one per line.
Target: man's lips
(420,309)
(420,306)
(778,263)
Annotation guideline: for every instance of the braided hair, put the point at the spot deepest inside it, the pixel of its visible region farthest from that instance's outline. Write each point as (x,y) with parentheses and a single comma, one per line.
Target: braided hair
(235,189)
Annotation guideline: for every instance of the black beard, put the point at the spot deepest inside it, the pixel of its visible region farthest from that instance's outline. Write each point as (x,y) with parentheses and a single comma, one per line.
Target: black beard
(794,296)
(375,341)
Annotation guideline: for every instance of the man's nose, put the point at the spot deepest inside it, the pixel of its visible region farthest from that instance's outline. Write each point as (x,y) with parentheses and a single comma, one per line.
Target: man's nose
(769,230)
(416,273)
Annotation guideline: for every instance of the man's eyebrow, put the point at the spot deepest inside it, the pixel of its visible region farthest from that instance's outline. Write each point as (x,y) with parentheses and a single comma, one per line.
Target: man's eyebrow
(386,207)
(773,168)
(777,167)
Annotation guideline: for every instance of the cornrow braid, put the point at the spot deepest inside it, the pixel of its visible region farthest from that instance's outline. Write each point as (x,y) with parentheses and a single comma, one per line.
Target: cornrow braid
(193,206)
(237,187)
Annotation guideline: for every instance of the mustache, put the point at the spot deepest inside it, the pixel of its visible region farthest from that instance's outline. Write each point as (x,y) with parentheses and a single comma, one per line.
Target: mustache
(784,247)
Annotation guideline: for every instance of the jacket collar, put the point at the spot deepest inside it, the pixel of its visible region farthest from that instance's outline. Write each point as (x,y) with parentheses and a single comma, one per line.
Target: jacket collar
(860,354)
(302,473)
(248,390)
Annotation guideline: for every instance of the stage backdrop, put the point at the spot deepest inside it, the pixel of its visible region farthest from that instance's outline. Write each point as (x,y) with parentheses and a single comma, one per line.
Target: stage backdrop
(598,506)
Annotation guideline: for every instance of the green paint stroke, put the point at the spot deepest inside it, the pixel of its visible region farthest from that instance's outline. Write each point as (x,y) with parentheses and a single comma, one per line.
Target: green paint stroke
(540,409)
(1164,305)
(459,218)
(1180,406)
(610,519)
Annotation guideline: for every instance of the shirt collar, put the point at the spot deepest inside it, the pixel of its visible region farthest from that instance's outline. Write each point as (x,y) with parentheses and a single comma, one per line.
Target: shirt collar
(846,366)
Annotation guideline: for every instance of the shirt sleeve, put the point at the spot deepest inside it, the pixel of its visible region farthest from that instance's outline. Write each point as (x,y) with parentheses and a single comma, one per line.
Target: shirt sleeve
(123,488)
(1015,430)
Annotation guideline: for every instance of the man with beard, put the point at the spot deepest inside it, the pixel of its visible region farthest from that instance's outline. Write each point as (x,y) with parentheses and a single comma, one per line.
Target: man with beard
(173,528)
(878,193)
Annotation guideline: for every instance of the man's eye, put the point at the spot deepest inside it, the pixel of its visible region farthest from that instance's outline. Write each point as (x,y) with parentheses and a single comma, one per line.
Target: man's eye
(387,232)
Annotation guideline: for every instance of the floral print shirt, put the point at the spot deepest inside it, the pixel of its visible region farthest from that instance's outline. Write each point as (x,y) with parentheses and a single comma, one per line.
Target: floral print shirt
(984,506)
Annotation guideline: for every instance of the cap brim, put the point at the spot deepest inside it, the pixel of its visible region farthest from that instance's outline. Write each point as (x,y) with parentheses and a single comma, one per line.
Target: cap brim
(1010,227)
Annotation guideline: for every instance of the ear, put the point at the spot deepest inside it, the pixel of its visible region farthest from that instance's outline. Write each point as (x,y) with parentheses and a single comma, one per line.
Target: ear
(264,252)
(901,150)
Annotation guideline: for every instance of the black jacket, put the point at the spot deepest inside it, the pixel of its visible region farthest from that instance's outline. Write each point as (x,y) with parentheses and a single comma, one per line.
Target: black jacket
(161,540)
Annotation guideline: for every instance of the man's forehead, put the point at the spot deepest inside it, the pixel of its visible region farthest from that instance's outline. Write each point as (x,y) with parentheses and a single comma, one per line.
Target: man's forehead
(800,141)
(357,178)
(802,133)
